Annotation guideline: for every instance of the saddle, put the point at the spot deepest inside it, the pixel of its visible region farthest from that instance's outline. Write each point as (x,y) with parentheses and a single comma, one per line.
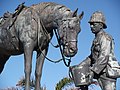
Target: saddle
(7,22)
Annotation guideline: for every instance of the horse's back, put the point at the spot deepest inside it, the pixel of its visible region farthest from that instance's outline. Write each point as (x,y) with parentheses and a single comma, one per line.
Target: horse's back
(27,24)
(29,19)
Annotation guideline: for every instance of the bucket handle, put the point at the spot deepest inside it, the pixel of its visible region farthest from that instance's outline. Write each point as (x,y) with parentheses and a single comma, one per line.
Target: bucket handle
(70,73)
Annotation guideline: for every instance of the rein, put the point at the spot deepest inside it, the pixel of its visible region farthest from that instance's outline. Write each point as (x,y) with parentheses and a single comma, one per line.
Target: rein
(59,45)
(63,57)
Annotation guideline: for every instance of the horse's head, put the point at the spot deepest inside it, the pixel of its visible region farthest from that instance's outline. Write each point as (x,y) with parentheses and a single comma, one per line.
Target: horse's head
(68,32)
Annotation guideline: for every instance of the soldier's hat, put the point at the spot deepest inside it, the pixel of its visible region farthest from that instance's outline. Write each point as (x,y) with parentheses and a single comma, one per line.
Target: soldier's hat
(98,17)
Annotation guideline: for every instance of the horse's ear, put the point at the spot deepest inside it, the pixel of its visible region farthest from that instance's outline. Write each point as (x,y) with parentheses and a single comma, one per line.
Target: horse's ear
(81,15)
(75,13)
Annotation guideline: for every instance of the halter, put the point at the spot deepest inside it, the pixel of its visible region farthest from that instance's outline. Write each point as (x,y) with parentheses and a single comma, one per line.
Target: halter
(59,45)
(67,25)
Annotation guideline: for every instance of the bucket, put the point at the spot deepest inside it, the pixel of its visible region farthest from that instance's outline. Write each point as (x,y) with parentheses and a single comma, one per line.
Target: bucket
(80,75)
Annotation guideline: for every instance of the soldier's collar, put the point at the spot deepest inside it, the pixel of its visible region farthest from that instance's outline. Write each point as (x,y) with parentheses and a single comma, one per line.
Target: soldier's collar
(100,32)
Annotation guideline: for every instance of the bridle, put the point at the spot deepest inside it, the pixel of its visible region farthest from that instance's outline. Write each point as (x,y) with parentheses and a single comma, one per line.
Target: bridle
(65,31)
(60,45)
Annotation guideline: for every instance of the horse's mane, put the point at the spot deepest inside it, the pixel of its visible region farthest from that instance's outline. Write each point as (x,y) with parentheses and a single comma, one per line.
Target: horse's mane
(51,5)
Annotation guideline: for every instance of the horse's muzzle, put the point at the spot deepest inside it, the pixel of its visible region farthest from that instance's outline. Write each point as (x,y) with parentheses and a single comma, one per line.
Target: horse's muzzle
(70,52)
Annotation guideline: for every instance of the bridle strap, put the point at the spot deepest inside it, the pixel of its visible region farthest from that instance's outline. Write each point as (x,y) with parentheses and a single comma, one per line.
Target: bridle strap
(60,46)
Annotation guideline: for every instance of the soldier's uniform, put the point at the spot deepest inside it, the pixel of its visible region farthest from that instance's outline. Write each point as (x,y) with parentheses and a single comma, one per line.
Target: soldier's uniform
(101,51)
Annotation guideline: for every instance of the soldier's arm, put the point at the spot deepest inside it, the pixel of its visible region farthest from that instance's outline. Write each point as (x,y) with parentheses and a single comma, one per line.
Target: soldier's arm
(101,62)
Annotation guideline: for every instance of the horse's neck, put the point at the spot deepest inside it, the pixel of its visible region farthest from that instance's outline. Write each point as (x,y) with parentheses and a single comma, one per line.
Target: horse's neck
(50,13)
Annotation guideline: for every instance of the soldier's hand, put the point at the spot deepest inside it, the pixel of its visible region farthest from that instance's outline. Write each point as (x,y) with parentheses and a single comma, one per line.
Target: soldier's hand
(91,75)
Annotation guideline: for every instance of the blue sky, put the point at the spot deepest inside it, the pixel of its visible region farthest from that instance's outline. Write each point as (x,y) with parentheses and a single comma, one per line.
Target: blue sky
(52,73)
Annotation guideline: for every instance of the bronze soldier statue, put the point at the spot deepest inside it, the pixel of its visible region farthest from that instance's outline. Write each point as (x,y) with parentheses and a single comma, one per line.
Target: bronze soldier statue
(101,54)
(101,50)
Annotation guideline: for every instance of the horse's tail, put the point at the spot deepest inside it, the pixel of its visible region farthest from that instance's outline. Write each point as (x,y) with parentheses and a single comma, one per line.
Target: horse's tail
(3,60)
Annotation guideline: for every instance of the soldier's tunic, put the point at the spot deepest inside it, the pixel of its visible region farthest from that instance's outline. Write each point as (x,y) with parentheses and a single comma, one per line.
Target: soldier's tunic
(102,47)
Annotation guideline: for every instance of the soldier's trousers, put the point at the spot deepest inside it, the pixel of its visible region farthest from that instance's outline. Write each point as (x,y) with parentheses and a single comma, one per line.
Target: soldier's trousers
(105,82)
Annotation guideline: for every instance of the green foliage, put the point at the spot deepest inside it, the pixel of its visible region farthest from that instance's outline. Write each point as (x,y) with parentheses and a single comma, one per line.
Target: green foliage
(67,84)
(62,83)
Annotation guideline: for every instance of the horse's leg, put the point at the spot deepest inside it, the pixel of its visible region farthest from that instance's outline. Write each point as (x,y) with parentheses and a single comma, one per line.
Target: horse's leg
(3,59)
(39,66)
(28,51)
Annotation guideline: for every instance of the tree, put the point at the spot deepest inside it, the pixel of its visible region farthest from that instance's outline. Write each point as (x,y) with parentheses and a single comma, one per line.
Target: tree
(67,84)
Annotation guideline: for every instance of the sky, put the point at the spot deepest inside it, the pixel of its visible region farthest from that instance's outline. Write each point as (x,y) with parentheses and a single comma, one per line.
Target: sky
(53,73)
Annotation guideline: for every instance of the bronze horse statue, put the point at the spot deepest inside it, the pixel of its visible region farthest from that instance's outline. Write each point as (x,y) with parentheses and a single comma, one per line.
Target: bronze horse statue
(33,30)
